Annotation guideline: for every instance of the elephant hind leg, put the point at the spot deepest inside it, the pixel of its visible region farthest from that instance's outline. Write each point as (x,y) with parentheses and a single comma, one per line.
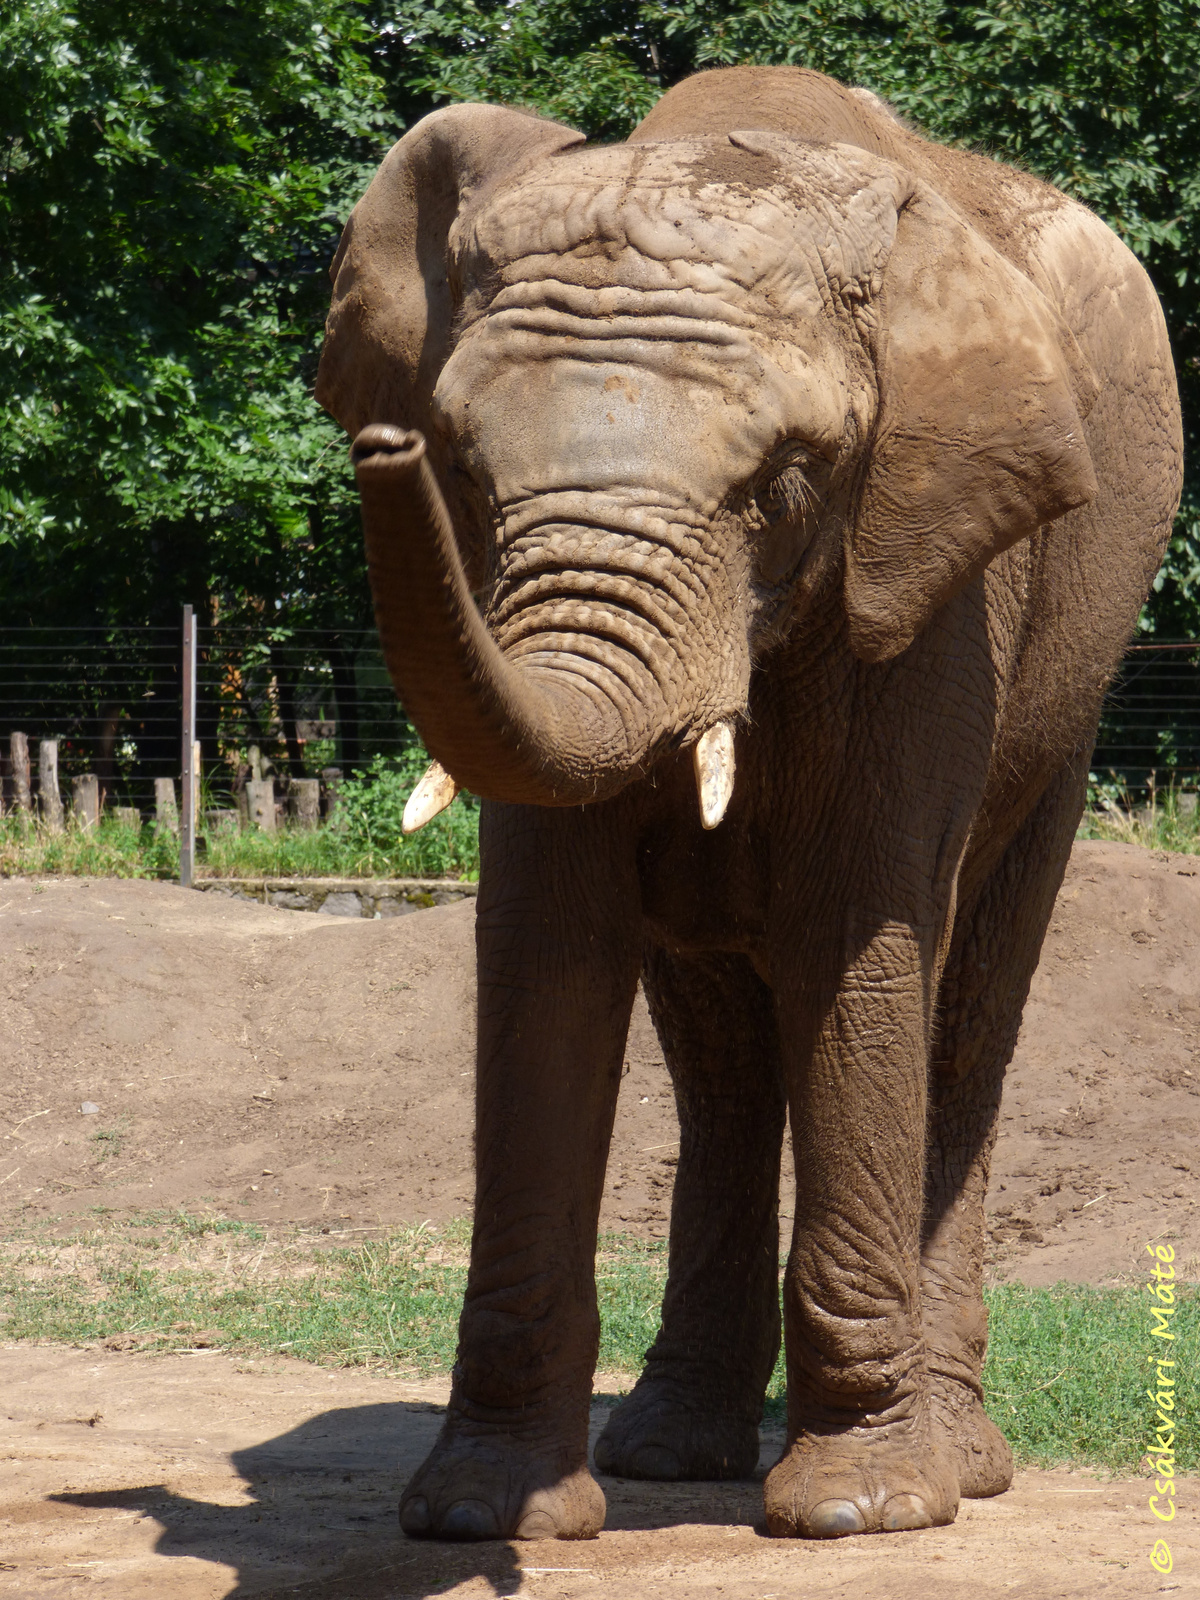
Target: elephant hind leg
(993,955)
(695,1410)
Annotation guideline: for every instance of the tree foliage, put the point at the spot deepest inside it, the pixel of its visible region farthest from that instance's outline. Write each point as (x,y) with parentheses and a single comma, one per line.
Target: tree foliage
(174,177)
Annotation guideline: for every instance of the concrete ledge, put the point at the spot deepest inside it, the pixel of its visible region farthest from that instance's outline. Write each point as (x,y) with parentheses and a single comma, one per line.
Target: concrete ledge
(343,897)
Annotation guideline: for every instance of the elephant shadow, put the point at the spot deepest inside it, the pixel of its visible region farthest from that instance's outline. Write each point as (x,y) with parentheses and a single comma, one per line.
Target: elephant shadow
(321,1511)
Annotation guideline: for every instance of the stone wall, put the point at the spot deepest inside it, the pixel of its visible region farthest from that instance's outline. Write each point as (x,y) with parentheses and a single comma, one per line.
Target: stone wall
(343,897)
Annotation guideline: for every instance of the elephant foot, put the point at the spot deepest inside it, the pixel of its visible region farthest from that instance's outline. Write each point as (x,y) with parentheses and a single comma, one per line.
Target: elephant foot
(864,1480)
(981,1454)
(489,1488)
(656,1433)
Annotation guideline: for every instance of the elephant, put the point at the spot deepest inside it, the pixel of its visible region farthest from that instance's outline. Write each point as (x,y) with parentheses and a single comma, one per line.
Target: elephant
(755,512)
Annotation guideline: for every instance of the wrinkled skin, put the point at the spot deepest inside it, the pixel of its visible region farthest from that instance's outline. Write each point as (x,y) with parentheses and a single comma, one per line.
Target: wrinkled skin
(778,416)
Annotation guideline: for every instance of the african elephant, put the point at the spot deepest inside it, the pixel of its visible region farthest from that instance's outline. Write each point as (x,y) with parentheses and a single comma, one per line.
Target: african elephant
(780,453)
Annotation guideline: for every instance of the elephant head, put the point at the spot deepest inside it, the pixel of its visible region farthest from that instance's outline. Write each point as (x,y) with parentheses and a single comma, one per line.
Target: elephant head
(622,413)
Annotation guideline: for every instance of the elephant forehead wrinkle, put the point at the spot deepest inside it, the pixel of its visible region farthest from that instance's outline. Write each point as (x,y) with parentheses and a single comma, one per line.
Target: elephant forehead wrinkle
(736,292)
(595,546)
(535,288)
(667,329)
(664,518)
(648,239)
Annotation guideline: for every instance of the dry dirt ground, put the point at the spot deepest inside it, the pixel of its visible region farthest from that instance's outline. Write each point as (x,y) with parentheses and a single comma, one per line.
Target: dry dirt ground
(204,1478)
(288,1068)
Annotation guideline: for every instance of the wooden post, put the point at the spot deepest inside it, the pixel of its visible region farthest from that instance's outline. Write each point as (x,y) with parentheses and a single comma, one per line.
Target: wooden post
(304,803)
(18,763)
(331,778)
(166,813)
(85,799)
(260,804)
(127,816)
(191,779)
(49,798)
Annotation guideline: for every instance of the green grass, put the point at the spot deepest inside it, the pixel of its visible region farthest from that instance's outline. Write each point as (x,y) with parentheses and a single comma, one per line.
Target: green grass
(108,851)
(1066,1375)
(1156,822)
(365,841)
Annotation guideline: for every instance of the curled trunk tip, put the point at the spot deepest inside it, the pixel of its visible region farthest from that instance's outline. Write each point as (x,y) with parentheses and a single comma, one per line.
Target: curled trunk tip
(538,736)
(399,447)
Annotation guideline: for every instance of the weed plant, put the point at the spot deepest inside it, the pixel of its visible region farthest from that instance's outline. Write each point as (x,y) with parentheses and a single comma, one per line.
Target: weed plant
(1066,1375)
(111,850)
(363,841)
(1159,819)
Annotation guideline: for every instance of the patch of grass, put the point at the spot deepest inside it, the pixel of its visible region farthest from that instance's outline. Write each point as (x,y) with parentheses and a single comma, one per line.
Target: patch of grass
(364,840)
(391,1302)
(110,850)
(1068,1368)
(1066,1376)
(197,1227)
(1166,819)
(108,1141)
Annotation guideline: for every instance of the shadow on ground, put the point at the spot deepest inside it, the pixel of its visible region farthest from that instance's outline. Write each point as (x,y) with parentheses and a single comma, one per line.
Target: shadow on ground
(321,1514)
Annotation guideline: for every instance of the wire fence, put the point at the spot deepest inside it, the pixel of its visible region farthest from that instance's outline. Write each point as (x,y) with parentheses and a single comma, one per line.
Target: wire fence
(296,703)
(1149,735)
(269,701)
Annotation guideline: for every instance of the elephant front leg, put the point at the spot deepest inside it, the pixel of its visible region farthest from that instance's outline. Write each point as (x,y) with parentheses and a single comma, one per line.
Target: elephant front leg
(559,948)
(864,1454)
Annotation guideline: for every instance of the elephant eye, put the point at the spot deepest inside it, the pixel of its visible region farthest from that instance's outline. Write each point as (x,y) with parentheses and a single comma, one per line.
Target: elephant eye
(791,504)
(790,495)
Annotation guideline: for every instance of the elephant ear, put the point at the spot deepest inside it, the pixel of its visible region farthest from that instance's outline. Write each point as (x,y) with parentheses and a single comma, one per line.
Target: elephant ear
(388,332)
(978,440)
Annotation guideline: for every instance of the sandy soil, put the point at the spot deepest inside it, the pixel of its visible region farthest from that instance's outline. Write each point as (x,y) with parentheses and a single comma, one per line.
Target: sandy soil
(282,1065)
(194,1477)
(293,1068)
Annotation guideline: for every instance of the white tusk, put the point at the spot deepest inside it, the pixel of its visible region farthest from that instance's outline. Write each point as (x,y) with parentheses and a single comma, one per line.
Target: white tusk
(712,756)
(433,794)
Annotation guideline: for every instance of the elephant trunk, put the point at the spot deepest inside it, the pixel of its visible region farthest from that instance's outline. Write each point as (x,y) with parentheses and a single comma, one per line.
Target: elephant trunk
(540,722)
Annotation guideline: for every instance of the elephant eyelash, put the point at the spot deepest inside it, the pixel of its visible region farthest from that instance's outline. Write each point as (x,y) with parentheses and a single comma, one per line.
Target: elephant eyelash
(790,494)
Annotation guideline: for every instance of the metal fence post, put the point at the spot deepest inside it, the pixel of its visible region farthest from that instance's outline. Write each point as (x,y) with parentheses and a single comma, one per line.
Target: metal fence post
(187,818)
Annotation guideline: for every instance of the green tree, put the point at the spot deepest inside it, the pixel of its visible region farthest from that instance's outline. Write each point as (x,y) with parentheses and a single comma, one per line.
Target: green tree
(174,178)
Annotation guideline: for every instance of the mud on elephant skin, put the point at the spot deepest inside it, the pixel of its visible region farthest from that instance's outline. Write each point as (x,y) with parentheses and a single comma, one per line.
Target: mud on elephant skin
(780,452)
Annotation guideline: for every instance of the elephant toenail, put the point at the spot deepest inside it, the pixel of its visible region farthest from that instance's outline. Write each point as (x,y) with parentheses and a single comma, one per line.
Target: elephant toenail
(831,1519)
(470,1519)
(537,1525)
(906,1511)
(414,1516)
(655,1461)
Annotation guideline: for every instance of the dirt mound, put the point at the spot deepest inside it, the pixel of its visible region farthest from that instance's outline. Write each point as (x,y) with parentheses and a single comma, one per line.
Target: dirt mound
(283,1065)
(291,1067)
